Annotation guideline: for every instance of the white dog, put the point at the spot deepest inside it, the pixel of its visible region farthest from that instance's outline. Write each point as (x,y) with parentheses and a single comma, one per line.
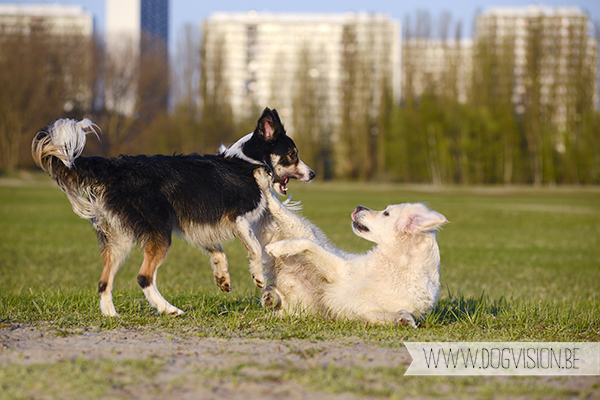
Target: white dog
(395,282)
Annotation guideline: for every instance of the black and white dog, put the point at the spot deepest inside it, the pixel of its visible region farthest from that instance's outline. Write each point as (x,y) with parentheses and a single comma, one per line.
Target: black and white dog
(143,199)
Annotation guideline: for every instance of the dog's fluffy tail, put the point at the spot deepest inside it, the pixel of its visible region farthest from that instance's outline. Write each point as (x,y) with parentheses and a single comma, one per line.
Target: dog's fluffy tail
(55,149)
(63,139)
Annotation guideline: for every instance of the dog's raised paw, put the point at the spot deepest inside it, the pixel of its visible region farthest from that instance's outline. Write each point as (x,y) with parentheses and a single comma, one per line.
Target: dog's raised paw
(277,249)
(223,283)
(259,282)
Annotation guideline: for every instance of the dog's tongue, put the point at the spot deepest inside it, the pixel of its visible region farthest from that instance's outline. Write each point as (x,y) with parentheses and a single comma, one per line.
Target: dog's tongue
(353,214)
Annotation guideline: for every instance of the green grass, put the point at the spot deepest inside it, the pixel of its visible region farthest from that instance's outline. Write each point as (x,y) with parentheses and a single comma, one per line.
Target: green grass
(517,264)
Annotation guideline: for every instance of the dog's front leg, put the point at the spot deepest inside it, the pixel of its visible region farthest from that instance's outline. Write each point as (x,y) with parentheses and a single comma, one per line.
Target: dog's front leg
(250,242)
(326,262)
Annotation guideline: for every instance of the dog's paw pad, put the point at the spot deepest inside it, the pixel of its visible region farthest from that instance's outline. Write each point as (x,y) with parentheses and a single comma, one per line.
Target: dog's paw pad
(223,283)
(267,300)
(270,299)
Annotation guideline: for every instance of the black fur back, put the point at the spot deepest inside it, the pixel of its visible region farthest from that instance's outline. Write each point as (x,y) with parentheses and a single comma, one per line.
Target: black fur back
(152,195)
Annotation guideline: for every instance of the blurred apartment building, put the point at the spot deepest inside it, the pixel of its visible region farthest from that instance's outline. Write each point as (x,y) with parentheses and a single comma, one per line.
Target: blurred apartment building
(544,51)
(133,28)
(55,18)
(438,67)
(554,57)
(271,58)
(68,30)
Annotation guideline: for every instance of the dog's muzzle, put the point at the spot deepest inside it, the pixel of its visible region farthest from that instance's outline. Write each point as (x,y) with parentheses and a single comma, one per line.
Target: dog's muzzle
(355,219)
(305,174)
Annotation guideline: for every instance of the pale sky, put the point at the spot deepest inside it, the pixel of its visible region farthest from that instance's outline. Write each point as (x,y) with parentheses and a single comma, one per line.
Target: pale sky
(194,11)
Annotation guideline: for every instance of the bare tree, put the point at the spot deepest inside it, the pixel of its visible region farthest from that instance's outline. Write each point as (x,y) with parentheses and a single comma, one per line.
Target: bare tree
(217,125)
(135,77)
(186,73)
(44,76)
(310,115)
(365,87)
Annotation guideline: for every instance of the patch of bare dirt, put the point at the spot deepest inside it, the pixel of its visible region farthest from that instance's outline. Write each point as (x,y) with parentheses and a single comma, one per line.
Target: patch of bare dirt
(214,368)
(184,356)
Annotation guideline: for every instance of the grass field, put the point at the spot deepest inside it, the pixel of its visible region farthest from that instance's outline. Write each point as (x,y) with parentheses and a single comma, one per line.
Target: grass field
(518,264)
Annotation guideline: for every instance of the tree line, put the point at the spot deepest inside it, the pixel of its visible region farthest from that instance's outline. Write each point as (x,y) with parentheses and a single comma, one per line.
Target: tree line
(426,137)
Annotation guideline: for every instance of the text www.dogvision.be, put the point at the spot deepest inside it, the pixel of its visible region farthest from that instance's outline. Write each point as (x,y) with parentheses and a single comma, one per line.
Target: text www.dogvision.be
(497,358)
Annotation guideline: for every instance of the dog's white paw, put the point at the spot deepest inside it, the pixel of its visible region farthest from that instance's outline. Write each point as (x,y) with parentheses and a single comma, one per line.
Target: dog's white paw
(404,318)
(262,178)
(176,312)
(278,249)
(259,280)
(107,307)
(171,310)
(260,283)
(111,313)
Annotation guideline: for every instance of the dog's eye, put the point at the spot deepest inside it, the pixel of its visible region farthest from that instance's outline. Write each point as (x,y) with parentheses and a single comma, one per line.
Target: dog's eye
(292,157)
(387,214)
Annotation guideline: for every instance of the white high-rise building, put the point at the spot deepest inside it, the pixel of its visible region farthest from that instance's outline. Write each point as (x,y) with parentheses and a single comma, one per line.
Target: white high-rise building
(132,26)
(260,56)
(67,31)
(550,48)
(130,19)
(58,19)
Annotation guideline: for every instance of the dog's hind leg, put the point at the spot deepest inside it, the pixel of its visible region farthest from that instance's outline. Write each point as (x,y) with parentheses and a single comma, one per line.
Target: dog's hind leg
(404,318)
(154,254)
(218,260)
(113,255)
(245,233)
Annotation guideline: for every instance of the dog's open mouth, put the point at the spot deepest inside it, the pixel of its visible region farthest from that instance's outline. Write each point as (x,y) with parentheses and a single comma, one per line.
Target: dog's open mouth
(357,225)
(280,187)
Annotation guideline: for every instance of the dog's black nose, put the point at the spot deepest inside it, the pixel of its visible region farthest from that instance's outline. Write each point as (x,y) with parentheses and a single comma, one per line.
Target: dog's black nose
(356,211)
(311,175)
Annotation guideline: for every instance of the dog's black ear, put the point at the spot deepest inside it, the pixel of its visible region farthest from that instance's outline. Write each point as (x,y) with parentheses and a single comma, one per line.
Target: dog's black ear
(269,125)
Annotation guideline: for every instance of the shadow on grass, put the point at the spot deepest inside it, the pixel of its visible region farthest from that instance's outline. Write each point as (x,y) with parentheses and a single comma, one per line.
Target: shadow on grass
(469,310)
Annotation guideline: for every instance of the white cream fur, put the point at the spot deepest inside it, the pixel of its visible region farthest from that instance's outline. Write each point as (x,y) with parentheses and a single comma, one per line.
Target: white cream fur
(395,282)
